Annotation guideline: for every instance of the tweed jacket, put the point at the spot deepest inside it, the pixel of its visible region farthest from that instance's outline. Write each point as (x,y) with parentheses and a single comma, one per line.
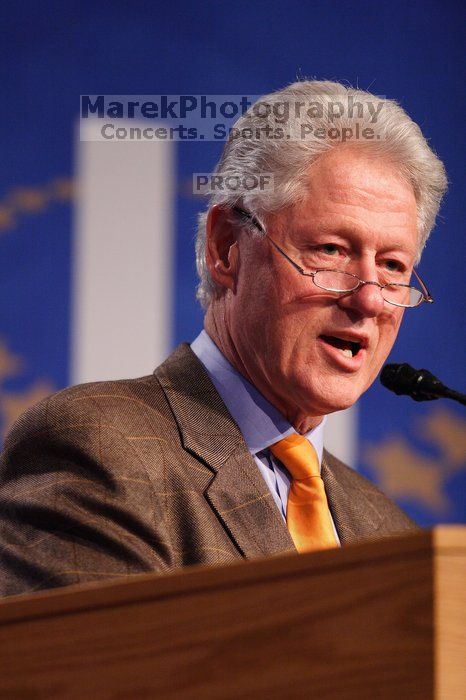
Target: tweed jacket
(115,478)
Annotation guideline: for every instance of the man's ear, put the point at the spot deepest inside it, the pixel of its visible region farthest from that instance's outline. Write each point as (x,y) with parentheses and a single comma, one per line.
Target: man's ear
(222,247)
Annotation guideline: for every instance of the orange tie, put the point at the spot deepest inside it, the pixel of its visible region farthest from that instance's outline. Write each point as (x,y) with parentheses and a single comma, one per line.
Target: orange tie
(307,516)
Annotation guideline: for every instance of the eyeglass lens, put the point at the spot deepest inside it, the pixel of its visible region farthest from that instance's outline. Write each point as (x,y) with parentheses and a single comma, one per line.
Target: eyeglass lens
(340,282)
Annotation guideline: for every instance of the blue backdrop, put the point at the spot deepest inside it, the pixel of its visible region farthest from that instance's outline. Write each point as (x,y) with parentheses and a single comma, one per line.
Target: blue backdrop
(54,52)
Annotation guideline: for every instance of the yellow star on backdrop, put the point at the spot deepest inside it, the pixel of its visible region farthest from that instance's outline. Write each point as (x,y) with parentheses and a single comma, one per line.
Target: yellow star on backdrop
(13,405)
(30,199)
(33,201)
(404,474)
(447,430)
(9,363)
(7,219)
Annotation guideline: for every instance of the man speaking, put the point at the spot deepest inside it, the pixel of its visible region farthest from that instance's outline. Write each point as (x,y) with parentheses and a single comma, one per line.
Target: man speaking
(219,454)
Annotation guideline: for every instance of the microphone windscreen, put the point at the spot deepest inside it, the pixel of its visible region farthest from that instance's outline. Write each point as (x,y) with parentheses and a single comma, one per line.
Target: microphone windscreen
(398,378)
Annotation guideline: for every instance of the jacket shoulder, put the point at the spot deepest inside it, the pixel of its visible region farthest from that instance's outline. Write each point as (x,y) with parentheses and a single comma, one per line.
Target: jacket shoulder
(105,402)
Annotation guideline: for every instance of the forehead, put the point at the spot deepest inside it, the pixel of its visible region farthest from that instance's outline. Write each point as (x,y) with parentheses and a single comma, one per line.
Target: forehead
(354,193)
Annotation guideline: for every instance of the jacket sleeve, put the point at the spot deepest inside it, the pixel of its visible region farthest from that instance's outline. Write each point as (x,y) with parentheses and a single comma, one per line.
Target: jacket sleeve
(76,502)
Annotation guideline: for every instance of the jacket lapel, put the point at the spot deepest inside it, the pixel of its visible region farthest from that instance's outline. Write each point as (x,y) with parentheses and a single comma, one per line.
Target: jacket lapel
(354,514)
(237,491)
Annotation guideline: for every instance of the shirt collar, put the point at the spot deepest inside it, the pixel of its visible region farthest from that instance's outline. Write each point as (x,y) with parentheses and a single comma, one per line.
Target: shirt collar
(259,422)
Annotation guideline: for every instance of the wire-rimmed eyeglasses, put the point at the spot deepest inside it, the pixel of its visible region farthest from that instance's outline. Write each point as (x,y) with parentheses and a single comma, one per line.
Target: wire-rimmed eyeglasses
(341,282)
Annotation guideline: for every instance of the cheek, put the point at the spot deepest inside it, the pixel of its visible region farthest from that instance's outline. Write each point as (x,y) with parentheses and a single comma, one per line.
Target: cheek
(394,326)
(255,308)
(261,297)
(388,333)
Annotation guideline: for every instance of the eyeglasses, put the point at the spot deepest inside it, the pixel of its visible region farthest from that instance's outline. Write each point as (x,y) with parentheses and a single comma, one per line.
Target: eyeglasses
(340,282)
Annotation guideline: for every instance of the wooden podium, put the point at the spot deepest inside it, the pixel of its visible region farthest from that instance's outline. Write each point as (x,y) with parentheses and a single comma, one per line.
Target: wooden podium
(380,620)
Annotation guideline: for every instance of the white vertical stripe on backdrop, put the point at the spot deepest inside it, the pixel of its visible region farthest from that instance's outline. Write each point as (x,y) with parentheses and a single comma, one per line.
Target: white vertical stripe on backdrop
(123,254)
(341,435)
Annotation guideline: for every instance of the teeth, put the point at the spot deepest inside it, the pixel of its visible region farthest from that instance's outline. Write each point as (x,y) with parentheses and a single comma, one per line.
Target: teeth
(347,352)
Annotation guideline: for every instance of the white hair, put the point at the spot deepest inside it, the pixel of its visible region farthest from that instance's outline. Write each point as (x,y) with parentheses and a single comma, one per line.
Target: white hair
(394,136)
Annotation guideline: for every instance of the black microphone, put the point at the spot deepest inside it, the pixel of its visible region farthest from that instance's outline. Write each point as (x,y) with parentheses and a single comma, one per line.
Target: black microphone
(420,384)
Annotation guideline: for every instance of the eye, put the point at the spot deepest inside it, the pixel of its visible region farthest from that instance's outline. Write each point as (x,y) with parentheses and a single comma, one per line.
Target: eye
(394,266)
(330,249)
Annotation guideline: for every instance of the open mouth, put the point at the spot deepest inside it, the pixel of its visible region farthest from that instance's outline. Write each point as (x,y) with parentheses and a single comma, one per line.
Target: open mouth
(348,347)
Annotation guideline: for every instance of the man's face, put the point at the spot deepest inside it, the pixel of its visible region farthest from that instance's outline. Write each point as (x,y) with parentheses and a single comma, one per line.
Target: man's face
(293,340)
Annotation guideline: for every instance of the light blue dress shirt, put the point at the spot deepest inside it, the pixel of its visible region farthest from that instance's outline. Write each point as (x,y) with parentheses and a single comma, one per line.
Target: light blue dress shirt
(259,422)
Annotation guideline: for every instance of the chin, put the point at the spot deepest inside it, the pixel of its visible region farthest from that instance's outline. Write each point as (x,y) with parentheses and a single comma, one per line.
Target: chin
(341,406)
(329,397)
(331,403)
(333,407)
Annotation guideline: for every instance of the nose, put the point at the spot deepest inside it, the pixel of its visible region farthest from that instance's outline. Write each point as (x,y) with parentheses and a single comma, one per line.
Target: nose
(366,301)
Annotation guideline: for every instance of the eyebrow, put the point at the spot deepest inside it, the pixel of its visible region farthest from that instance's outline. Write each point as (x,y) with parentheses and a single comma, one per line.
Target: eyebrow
(399,245)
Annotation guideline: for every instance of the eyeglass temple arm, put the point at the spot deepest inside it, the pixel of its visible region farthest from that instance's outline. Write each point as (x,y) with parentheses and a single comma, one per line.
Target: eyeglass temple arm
(427,295)
(259,226)
(246,215)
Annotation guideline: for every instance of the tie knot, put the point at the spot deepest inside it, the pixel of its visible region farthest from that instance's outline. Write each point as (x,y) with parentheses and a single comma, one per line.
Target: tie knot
(298,456)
